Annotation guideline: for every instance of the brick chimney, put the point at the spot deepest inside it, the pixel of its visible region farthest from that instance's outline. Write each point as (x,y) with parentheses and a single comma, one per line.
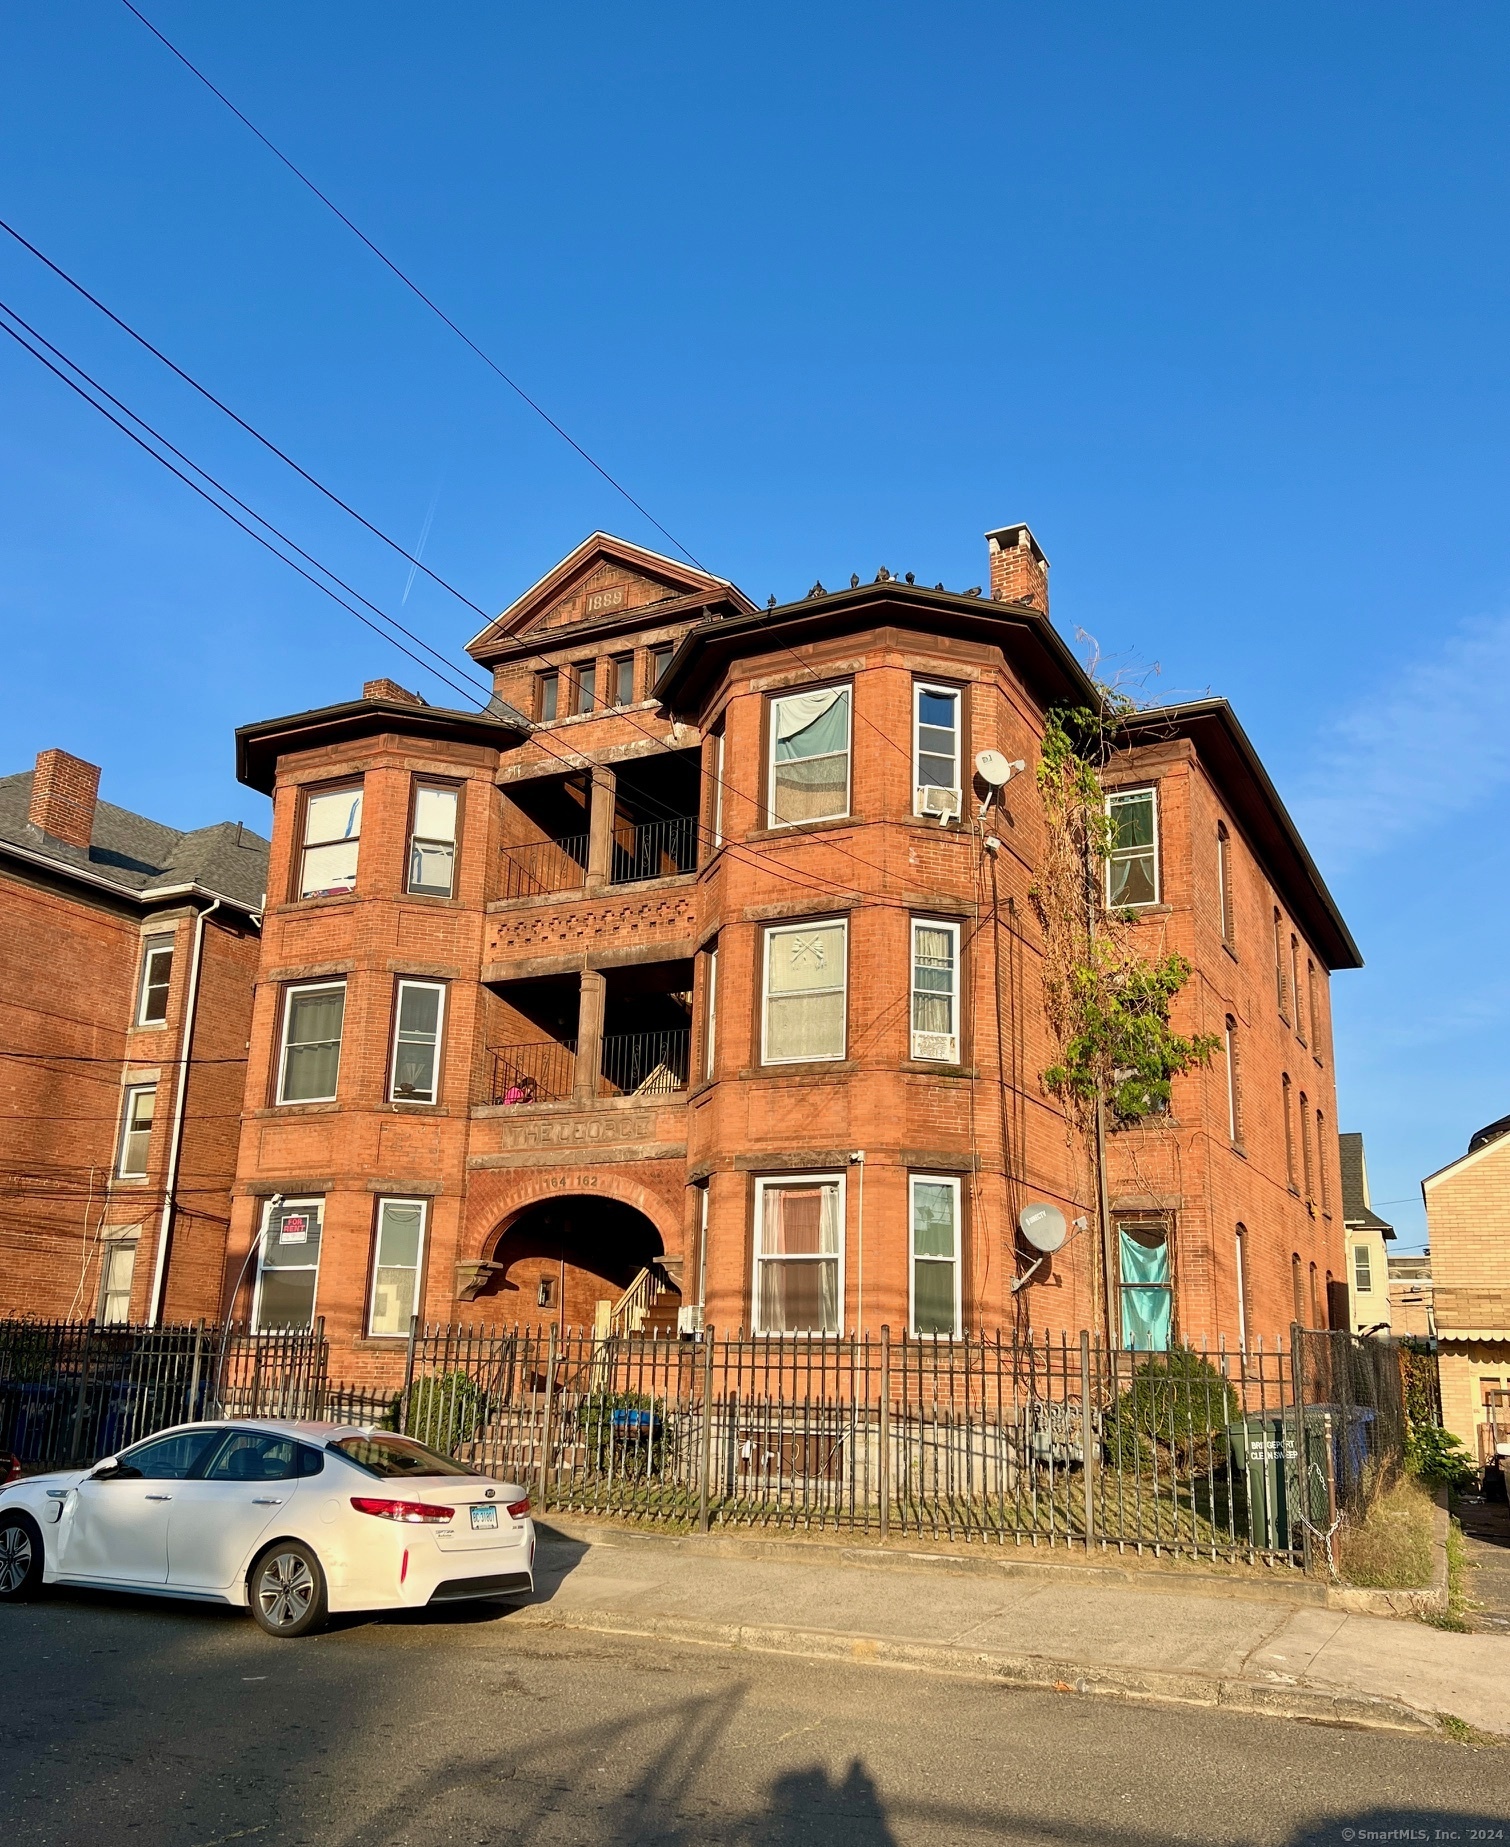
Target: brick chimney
(1019,570)
(391,691)
(64,791)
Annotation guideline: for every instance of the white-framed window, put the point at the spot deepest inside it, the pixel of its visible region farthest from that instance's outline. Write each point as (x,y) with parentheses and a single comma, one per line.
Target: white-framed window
(415,1075)
(1240,1243)
(935,748)
(136,1132)
(935,990)
(1234,1086)
(934,1287)
(1132,867)
(432,844)
(332,838)
(288,1265)
(1224,881)
(806,990)
(710,1013)
(718,788)
(799,1254)
(157,979)
(399,1246)
(311,1061)
(117,1272)
(809,771)
(1363,1270)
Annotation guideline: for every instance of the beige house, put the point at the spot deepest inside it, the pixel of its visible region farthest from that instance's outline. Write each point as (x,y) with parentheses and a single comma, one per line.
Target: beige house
(1410,1295)
(1365,1237)
(1468,1216)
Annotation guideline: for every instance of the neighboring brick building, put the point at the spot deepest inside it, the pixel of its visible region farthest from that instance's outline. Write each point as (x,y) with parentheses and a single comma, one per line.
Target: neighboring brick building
(115,1204)
(1468,1221)
(710,971)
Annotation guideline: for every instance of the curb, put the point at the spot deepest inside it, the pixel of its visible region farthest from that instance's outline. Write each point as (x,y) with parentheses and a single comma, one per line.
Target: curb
(1273,1700)
(1431,1601)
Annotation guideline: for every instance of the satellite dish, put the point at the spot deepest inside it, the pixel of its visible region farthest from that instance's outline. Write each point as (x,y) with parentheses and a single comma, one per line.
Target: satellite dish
(1042,1225)
(992,768)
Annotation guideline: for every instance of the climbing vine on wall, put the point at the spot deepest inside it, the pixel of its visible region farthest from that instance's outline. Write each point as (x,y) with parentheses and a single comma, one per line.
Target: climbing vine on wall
(1107,1004)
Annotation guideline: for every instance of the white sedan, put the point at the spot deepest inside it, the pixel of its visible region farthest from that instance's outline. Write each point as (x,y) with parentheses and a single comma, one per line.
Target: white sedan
(291,1519)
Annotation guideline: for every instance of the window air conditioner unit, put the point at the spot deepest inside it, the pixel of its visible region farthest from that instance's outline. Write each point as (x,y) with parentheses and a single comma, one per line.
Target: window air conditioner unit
(935,1045)
(689,1318)
(939,802)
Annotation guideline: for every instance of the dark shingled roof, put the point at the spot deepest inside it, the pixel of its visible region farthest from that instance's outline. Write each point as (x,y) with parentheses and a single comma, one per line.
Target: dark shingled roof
(1491,1132)
(139,858)
(1355,1207)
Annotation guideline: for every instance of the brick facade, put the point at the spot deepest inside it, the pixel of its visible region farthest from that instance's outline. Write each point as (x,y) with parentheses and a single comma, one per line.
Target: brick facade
(605,1099)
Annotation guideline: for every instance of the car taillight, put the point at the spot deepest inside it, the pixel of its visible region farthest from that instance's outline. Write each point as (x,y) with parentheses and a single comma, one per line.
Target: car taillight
(10,1468)
(518,1509)
(403,1510)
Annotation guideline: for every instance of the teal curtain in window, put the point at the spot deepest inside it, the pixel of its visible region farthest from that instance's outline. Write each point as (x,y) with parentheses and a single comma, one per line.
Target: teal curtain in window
(1147,1298)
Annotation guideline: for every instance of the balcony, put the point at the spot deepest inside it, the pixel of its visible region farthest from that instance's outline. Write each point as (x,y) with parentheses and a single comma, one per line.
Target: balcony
(545,866)
(619,1032)
(653,849)
(646,1064)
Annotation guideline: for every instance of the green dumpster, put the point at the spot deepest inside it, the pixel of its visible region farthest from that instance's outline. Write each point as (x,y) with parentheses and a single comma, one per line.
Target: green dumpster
(1270,1501)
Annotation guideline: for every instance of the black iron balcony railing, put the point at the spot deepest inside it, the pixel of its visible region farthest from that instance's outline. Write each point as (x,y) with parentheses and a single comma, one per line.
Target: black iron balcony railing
(646,1064)
(654,850)
(541,1073)
(545,866)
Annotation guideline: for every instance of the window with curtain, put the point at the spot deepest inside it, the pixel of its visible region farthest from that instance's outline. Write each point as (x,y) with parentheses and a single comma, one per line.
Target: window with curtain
(809,756)
(1147,1285)
(935,1212)
(136,1132)
(806,981)
(1224,881)
(416,1041)
(395,1266)
(935,990)
(432,845)
(935,740)
(157,979)
(332,838)
(288,1265)
(311,1060)
(1132,867)
(799,1224)
(117,1272)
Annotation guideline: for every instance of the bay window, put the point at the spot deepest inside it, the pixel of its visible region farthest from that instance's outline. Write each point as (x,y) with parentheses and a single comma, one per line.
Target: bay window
(311,1061)
(798,1262)
(397,1250)
(806,986)
(432,842)
(934,1210)
(935,991)
(332,835)
(416,1042)
(288,1265)
(809,767)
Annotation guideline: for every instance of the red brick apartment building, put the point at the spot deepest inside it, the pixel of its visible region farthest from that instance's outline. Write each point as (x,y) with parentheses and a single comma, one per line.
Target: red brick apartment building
(130,952)
(700,971)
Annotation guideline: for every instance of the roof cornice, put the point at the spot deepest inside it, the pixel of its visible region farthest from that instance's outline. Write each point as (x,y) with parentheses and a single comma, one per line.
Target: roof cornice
(260,746)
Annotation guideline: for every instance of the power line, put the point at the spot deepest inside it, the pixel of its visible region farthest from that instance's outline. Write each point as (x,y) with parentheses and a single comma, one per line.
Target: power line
(410,284)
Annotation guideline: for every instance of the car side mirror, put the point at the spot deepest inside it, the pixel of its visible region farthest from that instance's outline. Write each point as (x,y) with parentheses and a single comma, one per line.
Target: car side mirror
(113,1469)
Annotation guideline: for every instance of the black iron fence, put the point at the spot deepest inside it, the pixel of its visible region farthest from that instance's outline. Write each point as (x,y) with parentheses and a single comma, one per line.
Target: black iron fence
(545,866)
(1354,1398)
(1209,1453)
(541,1073)
(646,1064)
(654,850)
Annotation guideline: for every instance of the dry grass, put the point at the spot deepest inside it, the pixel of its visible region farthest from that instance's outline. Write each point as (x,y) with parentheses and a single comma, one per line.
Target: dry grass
(1391,1548)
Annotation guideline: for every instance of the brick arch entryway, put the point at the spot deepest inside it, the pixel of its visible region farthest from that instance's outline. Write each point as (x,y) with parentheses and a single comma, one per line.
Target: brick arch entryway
(558,1258)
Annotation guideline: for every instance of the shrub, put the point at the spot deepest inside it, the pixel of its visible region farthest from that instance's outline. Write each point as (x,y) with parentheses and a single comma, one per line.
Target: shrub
(1178,1404)
(624,1431)
(1389,1548)
(444,1411)
(1438,1457)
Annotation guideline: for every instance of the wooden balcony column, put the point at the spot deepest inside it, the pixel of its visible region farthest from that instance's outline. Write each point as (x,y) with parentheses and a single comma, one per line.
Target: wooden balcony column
(589,1035)
(600,827)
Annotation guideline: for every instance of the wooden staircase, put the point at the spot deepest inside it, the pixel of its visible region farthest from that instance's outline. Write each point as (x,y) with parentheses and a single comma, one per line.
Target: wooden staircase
(648,1308)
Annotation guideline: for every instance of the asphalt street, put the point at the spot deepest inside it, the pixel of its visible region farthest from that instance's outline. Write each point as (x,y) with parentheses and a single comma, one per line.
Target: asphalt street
(127,1720)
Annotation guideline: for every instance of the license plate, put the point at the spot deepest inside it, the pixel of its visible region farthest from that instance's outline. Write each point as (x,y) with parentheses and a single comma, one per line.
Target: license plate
(484,1519)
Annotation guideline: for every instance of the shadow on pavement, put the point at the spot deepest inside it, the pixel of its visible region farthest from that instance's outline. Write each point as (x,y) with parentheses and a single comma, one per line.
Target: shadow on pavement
(1402,1824)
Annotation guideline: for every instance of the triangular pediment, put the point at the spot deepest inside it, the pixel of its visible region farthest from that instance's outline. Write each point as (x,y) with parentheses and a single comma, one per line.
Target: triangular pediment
(602,578)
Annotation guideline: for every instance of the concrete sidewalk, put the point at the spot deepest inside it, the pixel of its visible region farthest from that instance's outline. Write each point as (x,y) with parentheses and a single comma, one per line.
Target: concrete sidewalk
(1200,1642)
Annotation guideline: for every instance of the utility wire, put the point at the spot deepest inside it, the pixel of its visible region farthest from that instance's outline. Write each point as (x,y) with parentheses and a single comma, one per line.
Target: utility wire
(409,283)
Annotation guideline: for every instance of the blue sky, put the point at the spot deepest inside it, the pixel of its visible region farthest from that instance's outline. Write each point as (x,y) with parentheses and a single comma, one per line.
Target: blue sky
(1216,302)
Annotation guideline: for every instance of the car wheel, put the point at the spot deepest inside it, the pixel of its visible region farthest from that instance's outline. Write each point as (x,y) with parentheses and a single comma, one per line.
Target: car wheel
(286,1590)
(20,1557)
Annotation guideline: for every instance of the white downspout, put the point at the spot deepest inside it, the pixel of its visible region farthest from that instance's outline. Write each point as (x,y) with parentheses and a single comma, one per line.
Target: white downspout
(857,1159)
(175,1145)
